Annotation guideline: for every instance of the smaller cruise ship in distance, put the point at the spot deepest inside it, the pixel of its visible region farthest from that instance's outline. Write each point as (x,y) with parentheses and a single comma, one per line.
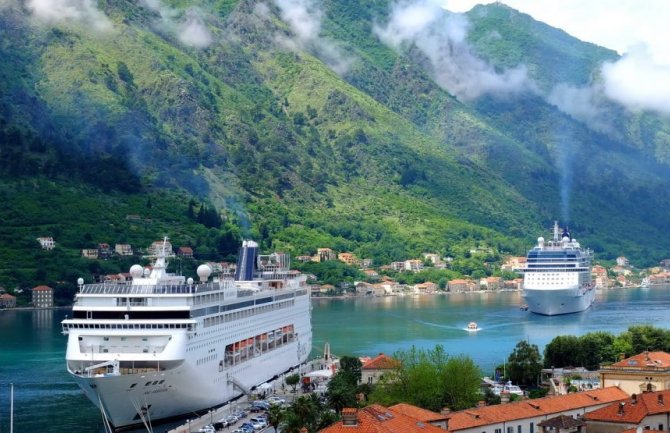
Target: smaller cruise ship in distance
(557,276)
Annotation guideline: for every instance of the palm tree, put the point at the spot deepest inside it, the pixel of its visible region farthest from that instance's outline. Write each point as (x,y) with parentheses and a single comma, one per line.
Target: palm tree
(275,416)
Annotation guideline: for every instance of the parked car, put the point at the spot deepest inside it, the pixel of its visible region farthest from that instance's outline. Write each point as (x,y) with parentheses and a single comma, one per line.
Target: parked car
(274,400)
(248,428)
(239,430)
(260,404)
(259,420)
(240,414)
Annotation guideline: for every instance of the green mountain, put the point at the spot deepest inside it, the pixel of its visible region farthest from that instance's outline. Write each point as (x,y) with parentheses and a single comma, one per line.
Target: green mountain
(304,138)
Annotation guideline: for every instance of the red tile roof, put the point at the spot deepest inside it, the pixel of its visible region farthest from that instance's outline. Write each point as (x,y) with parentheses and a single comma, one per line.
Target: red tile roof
(41,288)
(470,418)
(378,419)
(381,362)
(7,296)
(645,360)
(633,410)
(417,413)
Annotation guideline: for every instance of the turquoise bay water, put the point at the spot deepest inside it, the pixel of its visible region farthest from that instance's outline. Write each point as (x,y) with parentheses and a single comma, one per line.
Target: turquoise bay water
(32,349)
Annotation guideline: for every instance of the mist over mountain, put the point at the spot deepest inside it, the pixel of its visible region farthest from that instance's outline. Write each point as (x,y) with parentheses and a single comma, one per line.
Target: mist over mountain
(387,128)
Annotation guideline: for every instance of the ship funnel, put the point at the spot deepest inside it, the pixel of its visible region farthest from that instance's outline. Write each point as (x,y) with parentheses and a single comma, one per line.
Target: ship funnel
(246,261)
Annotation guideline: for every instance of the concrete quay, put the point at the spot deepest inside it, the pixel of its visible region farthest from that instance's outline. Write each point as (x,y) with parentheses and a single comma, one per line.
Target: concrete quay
(276,387)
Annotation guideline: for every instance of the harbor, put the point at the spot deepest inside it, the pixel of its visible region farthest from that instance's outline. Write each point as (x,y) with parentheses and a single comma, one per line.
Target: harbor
(33,355)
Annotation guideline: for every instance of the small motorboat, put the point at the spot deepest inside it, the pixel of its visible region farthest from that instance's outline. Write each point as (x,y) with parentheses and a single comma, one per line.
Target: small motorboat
(524,307)
(472,327)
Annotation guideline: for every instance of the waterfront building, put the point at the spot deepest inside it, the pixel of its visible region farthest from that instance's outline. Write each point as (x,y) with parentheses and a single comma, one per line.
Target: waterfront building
(185,252)
(89,253)
(156,248)
(123,249)
(650,410)
(513,263)
(427,287)
(47,242)
(7,301)
(323,255)
(647,371)
(525,416)
(348,258)
(460,286)
(43,297)
(104,251)
(374,369)
(379,419)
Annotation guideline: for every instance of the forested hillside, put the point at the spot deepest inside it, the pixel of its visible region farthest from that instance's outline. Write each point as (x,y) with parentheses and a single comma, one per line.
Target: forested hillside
(312,123)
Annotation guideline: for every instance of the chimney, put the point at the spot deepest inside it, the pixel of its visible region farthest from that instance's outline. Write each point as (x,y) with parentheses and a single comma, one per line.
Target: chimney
(633,399)
(349,416)
(481,403)
(504,397)
(660,399)
(445,411)
(622,356)
(621,405)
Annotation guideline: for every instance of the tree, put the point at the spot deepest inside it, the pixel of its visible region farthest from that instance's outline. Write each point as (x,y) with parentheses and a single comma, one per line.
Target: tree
(561,352)
(292,380)
(524,364)
(351,365)
(431,380)
(341,391)
(275,416)
(461,381)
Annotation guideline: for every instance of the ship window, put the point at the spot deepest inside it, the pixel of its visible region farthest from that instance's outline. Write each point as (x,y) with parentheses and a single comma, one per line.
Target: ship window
(148,383)
(132,386)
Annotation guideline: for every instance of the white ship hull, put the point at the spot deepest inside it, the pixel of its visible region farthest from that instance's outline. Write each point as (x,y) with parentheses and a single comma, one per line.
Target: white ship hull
(164,347)
(551,302)
(186,389)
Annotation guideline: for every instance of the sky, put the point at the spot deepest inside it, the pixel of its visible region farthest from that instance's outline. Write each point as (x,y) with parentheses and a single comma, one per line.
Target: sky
(621,25)
(637,30)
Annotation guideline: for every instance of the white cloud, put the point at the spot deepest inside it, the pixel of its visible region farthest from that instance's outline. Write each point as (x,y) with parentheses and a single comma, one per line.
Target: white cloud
(441,37)
(304,17)
(191,29)
(637,82)
(81,11)
(581,103)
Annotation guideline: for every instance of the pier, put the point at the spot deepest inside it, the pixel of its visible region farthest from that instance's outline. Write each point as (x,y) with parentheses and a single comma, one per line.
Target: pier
(272,388)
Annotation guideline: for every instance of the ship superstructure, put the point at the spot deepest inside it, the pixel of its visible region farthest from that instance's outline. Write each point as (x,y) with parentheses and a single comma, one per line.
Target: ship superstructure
(161,346)
(557,276)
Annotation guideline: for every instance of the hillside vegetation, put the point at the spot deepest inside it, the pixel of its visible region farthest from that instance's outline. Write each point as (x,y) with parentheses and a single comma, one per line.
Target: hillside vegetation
(337,140)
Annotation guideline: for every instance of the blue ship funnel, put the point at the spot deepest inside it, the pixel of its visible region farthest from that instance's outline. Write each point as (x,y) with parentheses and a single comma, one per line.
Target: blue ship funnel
(246,262)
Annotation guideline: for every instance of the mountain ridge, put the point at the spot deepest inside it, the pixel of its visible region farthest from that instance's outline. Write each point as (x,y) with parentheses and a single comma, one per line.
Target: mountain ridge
(379,159)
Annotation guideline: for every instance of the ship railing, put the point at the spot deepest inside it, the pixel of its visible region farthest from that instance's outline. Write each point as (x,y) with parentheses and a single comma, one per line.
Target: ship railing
(167,289)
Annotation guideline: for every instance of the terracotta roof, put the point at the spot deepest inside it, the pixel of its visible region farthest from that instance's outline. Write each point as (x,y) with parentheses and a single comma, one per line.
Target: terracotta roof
(644,360)
(41,288)
(634,409)
(470,418)
(417,413)
(381,362)
(634,430)
(561,422)
(7,296)
(378,419)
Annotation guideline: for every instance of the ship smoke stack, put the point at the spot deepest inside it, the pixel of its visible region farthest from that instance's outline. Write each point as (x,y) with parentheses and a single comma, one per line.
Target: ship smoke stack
(246,262)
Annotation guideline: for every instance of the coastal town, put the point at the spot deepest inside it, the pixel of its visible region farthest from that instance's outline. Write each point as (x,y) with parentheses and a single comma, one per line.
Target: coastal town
(377,280)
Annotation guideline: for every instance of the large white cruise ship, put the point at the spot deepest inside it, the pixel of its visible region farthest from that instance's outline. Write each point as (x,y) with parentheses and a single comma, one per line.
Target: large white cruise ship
(557,276)
(161,346)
